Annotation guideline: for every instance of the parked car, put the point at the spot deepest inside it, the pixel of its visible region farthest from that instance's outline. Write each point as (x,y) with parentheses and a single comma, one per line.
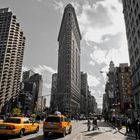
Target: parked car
(18,126)
(57,124)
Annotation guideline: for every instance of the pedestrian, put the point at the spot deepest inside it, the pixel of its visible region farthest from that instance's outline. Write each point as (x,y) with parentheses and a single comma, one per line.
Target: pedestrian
(93,124)
(128,125)
(88,124)
(38,118)
(119,123)
(136,128)
(129,121)
(96,123)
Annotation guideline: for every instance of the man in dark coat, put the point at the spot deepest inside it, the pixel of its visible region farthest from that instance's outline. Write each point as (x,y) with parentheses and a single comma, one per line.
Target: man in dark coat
(136,124)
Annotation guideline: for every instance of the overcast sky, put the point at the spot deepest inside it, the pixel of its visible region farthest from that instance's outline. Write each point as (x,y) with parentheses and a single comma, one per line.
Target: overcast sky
(103,37)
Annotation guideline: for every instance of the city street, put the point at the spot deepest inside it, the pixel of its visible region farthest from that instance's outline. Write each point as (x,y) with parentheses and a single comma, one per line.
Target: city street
(79,132)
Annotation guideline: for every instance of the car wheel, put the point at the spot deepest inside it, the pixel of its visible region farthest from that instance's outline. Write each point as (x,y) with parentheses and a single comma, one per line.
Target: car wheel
(46,134)
(70,130)
(64,133)
(21,133)
(37,129)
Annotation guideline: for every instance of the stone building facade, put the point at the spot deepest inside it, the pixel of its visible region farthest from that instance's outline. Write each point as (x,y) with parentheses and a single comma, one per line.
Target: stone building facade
(131,10)
(68,82)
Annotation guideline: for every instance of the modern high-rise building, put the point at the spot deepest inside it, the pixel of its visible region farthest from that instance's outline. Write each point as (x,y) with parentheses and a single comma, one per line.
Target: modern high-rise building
(68,82)
(131,10)
(32,87)
(12,42)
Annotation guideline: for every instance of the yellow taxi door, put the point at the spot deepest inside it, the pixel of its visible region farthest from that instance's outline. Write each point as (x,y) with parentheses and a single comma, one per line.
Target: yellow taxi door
(33,126)
(66,124)
(27,125)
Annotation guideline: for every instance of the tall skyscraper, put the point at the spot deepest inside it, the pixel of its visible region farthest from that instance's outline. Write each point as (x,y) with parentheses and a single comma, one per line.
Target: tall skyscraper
(131,10)
(68,82)
(12,42)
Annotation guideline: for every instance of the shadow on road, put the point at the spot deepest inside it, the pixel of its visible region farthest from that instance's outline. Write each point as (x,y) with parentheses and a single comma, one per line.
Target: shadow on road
(40,137)
(5,138)
(50,137)
(8,137)
(93,134)
(130,138)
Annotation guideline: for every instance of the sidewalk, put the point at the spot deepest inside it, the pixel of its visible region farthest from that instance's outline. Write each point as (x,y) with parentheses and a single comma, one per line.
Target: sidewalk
(130,134)
(123,130)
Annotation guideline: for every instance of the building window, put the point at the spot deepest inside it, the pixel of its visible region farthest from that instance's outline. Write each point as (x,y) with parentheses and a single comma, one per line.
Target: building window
(138,33)
(139,16)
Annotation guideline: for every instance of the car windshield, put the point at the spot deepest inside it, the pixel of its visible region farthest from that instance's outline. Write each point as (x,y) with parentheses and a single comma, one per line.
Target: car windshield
(53,119)
(12,120)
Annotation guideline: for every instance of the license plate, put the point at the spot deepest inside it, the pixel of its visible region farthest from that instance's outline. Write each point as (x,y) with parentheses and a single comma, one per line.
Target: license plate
(2,127)
(51,123)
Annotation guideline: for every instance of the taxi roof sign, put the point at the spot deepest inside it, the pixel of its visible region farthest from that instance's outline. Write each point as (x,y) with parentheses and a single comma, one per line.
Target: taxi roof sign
(57,113)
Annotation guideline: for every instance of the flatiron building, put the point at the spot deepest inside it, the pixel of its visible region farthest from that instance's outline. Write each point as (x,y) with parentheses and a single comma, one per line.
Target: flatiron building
(68,80)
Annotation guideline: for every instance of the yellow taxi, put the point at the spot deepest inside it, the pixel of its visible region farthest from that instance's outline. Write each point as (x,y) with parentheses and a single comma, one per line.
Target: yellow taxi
(18,126)
(57,124)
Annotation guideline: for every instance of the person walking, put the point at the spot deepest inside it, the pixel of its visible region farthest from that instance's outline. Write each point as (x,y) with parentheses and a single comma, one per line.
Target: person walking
(95,124)
(118,123)
(129,122)
(88,124)
(128,125)
(136,128)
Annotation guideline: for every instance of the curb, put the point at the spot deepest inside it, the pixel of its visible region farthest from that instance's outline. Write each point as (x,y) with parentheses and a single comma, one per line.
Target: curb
(119,130)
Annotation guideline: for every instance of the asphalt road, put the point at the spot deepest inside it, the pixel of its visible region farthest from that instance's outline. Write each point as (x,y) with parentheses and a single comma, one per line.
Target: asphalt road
(79,132)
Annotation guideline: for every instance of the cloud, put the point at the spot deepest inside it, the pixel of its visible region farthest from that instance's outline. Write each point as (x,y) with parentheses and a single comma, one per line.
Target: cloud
(39,0)
(24,68)
(47,85)
(92,63)
(93,81)
(106,54)
(100,18)
(58,5)
(43,68)
(98,56)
